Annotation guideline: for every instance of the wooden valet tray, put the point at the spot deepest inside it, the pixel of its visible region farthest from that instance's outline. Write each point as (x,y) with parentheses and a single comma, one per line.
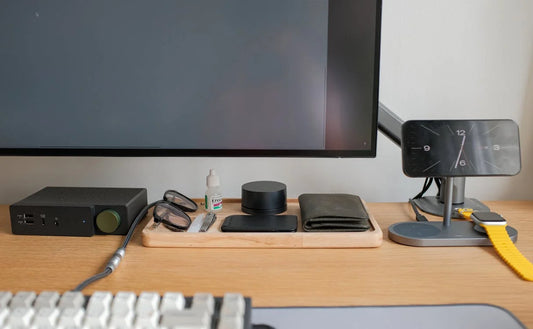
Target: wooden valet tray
(154,235)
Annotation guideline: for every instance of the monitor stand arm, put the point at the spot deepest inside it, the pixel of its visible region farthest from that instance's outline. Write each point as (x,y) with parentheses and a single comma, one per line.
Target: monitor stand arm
(391,126)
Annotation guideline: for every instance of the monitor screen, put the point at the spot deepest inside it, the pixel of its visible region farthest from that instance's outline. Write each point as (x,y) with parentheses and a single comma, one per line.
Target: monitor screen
(189,77)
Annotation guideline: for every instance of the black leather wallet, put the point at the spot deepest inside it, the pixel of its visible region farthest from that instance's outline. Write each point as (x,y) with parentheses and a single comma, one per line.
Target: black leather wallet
(333,212)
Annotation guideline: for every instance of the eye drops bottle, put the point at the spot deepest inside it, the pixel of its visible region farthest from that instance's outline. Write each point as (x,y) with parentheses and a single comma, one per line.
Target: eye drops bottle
(213,194)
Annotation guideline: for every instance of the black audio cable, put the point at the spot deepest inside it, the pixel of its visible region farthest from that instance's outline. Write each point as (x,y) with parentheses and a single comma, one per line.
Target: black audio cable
(119,253)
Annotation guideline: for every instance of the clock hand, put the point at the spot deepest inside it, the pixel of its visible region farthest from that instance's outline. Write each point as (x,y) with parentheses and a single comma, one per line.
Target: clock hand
(460,151)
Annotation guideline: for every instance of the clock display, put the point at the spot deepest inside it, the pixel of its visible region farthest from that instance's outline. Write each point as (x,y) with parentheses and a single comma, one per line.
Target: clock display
(448,148)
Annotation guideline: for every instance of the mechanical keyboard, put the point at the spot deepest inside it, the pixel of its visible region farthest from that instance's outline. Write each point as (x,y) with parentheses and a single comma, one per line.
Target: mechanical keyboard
(125,310)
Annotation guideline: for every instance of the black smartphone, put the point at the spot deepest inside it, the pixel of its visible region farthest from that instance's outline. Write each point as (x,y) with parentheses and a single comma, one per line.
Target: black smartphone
(260,223)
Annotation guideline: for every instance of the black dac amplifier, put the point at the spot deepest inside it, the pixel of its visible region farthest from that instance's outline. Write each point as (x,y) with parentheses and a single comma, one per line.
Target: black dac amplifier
(77,211)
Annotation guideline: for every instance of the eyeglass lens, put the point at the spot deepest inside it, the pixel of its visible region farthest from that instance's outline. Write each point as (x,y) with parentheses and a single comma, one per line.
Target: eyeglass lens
(171,214)
(181,200)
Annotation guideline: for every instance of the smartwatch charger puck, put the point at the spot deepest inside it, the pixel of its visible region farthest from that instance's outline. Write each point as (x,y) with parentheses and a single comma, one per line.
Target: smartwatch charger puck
(264,197)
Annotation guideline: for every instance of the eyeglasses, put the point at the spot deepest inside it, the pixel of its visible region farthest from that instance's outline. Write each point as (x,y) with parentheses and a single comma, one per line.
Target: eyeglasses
(171,211)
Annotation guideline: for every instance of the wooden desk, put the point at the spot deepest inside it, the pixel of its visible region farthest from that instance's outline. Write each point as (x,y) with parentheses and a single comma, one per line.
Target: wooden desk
(389,275)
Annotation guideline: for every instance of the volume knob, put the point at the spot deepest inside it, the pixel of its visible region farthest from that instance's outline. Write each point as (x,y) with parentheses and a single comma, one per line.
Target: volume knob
(108,221)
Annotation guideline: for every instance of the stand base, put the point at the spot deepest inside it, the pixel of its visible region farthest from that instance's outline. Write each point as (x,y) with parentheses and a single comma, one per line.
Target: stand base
(432,205)
(435,234)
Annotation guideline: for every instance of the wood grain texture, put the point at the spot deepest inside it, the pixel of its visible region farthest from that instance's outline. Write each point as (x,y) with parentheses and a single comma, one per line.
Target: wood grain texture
(160,236)
(392,274)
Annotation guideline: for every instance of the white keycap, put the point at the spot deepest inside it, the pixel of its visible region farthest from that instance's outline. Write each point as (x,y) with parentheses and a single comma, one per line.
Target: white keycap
(96,316)
(71,299)
(233,304)
(103,298)
(147,310)
(5,297)
(172,301)
(98,309)
(71,318)
(122,310)
(230,322)
(47,299)
(189,318)
(96,320)
(46,317)
(123,300)
(148,302)
(4,311)
(203,302)
(122,319)
(44,326)
(20,317)
(147,320)
(22,299)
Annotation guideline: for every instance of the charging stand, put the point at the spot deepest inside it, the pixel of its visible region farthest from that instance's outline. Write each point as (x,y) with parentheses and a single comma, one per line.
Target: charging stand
(445,233)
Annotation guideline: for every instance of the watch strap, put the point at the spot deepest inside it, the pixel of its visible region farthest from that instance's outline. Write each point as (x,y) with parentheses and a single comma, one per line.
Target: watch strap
(507,250)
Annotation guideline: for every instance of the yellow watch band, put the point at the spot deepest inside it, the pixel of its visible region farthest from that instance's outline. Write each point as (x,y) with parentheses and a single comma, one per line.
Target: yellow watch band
(508,251)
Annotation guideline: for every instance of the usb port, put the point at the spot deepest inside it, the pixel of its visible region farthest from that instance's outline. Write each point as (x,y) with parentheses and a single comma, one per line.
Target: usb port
(26,219)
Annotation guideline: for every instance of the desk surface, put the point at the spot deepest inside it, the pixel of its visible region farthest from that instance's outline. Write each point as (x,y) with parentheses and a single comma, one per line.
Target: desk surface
(389,275)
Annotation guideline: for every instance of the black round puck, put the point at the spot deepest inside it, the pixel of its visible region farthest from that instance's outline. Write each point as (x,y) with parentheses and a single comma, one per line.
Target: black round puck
(264,197)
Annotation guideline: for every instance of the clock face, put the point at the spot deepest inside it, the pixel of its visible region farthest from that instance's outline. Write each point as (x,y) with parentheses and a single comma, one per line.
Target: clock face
(447,148)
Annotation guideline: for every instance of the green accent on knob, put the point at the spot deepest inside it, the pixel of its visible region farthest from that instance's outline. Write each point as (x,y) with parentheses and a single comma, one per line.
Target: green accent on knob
(108,221)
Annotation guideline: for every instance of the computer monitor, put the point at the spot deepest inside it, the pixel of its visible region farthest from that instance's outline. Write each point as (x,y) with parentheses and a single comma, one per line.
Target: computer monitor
(189,77)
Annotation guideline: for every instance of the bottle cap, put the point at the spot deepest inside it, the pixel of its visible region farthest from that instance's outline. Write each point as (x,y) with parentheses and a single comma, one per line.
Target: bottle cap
(212,179)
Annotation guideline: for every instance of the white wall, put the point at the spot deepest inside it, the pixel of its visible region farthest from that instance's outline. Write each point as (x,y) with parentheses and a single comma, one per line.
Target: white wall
(440,60)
